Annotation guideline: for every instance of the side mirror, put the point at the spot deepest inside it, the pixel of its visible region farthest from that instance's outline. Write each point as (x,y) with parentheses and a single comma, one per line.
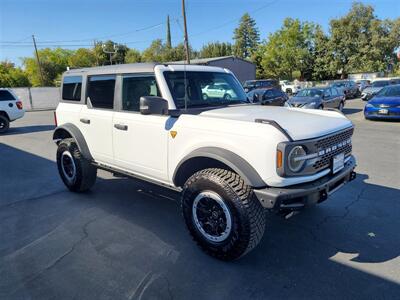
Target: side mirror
(151,105)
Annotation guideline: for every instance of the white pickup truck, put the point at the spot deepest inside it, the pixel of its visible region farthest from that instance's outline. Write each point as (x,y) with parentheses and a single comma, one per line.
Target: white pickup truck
(289,88)
(10,109)
(230,159)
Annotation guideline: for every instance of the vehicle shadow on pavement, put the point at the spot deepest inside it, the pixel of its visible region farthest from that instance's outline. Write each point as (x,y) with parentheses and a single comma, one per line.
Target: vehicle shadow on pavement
(126,239)
(350,111)
(28,129)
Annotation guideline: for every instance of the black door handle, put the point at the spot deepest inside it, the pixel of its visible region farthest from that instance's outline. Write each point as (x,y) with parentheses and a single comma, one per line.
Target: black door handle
(121,127)
(85,121)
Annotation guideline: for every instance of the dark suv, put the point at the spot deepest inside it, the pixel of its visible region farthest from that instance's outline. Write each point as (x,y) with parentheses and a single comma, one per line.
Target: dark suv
(348,87)
(250,85)
(268,96)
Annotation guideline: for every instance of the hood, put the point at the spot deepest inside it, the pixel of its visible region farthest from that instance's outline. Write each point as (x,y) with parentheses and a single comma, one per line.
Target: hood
(389,101)
(304,100)
(372,90)
(299,123)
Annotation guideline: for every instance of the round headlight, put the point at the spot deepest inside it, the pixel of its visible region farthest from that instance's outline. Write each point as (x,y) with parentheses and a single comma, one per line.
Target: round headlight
(294,163)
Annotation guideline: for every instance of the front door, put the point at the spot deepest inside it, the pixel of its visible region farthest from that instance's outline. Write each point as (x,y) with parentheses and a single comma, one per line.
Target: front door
(140,141)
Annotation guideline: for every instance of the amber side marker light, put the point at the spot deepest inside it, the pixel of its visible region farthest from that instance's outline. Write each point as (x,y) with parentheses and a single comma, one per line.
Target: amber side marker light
(279,160)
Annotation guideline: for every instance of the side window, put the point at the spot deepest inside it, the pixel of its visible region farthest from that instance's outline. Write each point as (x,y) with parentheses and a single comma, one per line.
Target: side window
(269,94)
(6,95)
(134,87)
(101,91)
(327,93)
(276,93)
(334,92)
(72,88)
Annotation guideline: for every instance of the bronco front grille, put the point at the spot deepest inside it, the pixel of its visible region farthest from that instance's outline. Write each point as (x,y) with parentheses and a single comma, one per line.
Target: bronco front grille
(332,145)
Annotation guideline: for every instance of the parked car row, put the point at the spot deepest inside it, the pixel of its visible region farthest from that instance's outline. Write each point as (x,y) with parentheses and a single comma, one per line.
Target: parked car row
(318,98)
(312,98)
(376,86)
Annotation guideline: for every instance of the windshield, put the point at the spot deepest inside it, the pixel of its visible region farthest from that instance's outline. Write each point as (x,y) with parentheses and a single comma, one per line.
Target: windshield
(390,91)
(249,83)
(380,83)
(309,93)
(204,89)
(338,84)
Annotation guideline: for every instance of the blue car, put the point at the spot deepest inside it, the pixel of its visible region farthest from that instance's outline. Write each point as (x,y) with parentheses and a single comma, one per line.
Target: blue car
(385,104)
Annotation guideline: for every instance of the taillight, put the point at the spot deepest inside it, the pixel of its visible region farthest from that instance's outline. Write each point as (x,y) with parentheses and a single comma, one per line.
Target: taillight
(55,119)
(19,104)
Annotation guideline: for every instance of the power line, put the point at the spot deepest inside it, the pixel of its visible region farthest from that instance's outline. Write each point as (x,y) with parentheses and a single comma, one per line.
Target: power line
(255,11)
(89,39)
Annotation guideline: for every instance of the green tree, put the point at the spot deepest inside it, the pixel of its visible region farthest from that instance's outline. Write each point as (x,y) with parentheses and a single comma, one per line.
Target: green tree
(118,52)
(53,62)
(155,52)
(82,58)
(360,42)
(246,37)
(216,49)
(11,76)
(133,56)
(323,67)
(289,51)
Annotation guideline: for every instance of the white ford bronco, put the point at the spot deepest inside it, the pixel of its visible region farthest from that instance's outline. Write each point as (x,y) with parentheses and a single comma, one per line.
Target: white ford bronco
(231,159)
(10,109)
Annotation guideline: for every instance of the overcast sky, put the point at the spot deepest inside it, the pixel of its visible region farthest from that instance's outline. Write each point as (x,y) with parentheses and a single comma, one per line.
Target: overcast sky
(77,23)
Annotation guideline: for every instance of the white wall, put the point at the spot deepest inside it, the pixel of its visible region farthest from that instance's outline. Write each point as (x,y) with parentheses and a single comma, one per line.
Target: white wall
(38,98)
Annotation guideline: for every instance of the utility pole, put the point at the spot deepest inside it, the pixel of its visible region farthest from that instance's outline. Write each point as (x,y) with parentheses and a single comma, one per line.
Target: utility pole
(38,60)
(169,42)
(110,53)
(186,33)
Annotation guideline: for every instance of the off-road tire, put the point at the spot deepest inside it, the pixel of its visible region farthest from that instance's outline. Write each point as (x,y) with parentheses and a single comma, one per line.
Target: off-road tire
(248,216)
(4,124)
(86,173)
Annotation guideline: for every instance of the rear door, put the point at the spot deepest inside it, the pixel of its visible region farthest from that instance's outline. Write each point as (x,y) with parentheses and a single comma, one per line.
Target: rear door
(336,99)
(327,99)
(96,117)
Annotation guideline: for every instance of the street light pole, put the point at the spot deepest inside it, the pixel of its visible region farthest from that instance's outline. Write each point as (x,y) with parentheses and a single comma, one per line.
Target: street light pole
(186,33)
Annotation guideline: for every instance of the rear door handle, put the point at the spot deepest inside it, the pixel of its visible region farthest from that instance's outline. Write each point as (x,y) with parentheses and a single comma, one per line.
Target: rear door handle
(85,121)
(121,127)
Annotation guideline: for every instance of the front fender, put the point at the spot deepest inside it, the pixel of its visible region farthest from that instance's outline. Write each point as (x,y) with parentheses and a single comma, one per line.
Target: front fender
(228,158)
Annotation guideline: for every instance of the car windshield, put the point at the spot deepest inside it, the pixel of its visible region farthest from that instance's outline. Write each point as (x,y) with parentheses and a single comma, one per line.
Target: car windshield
(202,89)
(250,83)
(380,83)
(339,84)
(390,91)
(309,93)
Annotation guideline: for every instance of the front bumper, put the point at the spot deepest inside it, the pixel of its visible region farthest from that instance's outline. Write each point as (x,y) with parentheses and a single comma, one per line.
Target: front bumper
(382,113)
(297,196)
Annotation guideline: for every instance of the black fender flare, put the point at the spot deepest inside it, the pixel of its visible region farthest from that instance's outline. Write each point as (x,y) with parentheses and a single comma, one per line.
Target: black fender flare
(228,158)
(70,130)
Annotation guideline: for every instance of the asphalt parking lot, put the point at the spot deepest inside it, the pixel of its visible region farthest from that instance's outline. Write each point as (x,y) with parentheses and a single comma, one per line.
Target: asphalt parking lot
(127,240)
